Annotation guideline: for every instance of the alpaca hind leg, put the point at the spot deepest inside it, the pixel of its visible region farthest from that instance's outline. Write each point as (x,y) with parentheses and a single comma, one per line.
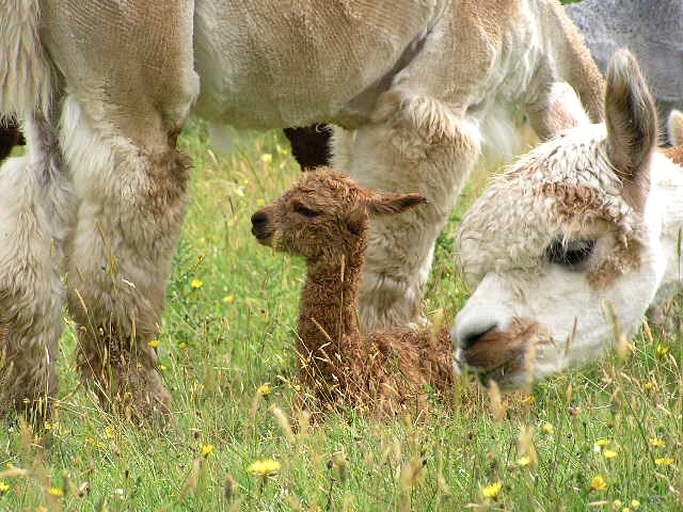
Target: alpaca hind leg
(35,218)
(417,144)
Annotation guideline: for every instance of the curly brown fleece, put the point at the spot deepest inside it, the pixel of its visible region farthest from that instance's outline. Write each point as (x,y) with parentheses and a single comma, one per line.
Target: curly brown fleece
(324,218)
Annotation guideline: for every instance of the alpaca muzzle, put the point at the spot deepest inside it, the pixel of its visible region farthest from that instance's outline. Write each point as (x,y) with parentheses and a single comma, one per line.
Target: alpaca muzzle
(261,227)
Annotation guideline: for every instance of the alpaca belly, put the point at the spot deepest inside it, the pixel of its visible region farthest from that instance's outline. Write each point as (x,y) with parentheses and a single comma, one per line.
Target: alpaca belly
(289,64)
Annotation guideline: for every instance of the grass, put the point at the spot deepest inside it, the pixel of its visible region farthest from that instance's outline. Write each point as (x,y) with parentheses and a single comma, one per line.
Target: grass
(226,353)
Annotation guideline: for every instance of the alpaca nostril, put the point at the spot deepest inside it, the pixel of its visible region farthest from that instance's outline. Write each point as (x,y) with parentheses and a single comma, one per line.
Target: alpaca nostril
(259,219)
(469,339)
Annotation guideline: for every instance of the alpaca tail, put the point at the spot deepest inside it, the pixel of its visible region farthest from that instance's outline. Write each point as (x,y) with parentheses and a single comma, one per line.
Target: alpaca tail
(25,72)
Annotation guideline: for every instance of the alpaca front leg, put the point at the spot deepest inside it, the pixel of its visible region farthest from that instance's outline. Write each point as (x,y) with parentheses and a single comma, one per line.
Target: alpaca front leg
(31,293)
(417,145)
(132,203)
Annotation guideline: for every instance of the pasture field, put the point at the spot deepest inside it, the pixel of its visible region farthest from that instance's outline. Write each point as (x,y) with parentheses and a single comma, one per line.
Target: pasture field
(605,438)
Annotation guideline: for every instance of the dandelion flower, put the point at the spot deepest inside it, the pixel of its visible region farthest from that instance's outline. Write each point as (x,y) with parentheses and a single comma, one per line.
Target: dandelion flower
(616,504)
(598,483)
(206,450)
(657,443)
(664,461)
(662,350)
(635,504)
(264,390)
(609,454)
(266,158)
(197,284)
(56,491)
(182,345)
(600,444)
(163,368)
(524,461)
(4,488)
(492,490)
(548,428)
(154,343)
(229,299)
(265,467)
(650,385)
(527,399)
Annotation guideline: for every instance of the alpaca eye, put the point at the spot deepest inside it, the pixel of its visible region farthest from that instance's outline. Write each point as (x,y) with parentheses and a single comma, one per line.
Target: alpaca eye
(306,212)
(571,254)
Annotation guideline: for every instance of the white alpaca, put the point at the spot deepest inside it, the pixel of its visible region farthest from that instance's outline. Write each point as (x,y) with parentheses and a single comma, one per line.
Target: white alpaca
(575,240)
(108,86)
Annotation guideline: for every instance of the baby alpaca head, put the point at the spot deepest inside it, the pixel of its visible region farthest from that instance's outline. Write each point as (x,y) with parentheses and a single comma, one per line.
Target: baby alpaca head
(324,214)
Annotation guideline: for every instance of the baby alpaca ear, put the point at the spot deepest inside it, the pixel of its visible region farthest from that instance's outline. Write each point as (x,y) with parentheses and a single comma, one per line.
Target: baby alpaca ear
(389,204)
(565,110)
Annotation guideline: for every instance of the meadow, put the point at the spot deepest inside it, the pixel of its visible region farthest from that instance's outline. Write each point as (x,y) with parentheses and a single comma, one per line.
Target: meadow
(607,437)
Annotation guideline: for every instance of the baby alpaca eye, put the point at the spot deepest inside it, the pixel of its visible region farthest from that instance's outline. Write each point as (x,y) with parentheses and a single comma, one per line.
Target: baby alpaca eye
(306,212)
(571,254)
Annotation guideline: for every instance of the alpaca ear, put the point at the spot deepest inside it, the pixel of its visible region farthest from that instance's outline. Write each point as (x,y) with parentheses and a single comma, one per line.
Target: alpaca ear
(631,120)
(389,204)
(674,128)
(565,110)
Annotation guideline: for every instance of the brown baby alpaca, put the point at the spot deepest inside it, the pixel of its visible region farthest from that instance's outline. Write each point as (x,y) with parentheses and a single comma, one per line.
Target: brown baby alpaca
(324,219)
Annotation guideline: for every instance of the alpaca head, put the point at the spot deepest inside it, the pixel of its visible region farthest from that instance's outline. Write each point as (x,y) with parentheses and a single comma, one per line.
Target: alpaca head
(325,214)
(563,249)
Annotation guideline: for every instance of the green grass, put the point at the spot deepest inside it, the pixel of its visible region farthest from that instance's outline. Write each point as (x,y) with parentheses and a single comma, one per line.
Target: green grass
(221,341)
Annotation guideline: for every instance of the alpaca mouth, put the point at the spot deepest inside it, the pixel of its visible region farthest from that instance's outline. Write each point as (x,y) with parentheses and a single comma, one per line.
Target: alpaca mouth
(264,237)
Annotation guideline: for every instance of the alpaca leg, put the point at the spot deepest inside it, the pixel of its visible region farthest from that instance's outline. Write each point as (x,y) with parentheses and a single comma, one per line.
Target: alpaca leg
(132,202)
(35,217)
(129,97)
(416,145)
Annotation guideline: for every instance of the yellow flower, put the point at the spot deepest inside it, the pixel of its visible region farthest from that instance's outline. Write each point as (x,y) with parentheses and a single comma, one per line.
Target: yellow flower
(264,390)
(55,491)
(524,461)
(600,444)
(547,428)
(635,504)
(616,504)
(527,399)
(657,443)
(4,488)
(266,467)
(662,350)
(650,385)
(109,432)
(664,461)
(182,345)
(154,343)
(197,284)
(266,158)
(229,299)
(492,490)
(609,454)
(163,368)
(598,483)
(206,449)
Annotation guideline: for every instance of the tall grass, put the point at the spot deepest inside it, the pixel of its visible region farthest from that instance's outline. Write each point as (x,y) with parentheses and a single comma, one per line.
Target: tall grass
(592,439)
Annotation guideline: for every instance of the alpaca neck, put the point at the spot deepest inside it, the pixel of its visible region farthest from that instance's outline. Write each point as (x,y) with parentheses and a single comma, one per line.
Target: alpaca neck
(327,317)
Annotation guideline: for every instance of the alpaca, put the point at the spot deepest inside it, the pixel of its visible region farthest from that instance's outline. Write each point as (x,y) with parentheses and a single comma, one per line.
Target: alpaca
(653,31)
(324,218)
(572,244)
(103,91)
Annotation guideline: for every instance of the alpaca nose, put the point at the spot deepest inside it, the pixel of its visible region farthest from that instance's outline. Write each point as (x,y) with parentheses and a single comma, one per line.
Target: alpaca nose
(469,337)
(259,219)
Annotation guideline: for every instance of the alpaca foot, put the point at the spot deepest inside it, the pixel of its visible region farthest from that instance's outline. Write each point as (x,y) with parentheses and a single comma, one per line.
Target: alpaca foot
(136,394)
